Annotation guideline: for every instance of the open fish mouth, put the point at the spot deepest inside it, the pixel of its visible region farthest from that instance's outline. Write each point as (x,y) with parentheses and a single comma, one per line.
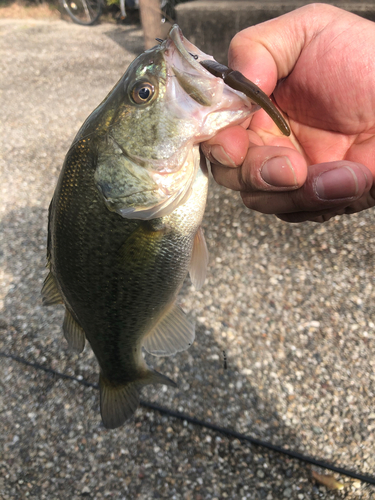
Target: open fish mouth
(188,52)
(183,59)
(188,71)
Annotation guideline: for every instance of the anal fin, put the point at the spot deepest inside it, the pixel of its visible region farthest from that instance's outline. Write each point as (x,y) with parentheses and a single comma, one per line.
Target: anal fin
(199,260)
(154,377)
(50,292)
(73,332)
(173,333)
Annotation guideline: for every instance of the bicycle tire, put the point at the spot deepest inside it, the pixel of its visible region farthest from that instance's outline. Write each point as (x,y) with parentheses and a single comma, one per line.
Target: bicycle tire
(168,12)
(84,12)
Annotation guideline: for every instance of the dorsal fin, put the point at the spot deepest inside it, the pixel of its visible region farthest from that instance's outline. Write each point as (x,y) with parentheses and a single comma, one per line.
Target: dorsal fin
(73,332)
(50,292)
(173,333)
(199,260)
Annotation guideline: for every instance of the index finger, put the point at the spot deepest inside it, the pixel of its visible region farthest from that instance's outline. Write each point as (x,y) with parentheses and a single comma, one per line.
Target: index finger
(267,52)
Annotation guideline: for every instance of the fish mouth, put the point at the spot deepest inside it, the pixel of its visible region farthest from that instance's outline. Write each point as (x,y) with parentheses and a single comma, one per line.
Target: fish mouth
(187,50)
(205,93)
(196,93)
(184,60)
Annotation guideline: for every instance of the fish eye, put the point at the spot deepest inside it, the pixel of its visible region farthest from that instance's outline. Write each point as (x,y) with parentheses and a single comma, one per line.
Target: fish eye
(142,92)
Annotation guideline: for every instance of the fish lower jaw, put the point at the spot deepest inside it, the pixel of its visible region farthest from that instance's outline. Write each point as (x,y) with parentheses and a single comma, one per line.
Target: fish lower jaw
(219,120)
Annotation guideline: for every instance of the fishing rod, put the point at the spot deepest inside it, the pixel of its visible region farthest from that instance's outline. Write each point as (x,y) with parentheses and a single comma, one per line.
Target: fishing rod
(201,423)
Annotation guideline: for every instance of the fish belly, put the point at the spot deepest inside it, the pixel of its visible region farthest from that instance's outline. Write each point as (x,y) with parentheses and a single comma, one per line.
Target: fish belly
(118,276)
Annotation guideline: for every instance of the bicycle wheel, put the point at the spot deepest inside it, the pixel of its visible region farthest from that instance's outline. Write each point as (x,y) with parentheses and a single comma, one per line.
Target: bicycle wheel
(85,12)
(168,12)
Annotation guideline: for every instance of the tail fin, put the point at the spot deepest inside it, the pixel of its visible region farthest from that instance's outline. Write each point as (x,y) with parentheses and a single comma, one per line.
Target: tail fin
(119,402)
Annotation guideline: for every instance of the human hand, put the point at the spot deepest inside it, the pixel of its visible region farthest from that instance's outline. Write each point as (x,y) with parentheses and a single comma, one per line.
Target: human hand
(318,62)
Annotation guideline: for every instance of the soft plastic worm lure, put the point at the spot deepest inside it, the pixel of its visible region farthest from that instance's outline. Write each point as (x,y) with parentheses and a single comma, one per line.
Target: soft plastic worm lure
(238,81)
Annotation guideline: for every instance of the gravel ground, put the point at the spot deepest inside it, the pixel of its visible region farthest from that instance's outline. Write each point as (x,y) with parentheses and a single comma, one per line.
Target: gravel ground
(292,306)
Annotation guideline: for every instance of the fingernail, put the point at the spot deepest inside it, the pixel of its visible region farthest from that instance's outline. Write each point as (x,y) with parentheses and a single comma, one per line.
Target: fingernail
(219,154)
(336,184)
(278,171)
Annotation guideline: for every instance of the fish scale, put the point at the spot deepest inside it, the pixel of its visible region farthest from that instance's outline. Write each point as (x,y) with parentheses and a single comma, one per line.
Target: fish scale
(91,240)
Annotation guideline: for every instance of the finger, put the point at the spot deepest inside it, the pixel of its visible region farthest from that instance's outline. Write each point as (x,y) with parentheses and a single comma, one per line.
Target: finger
(264,56)
(228,147)
(266,168)
(366,201)
(329,187)
(319,216)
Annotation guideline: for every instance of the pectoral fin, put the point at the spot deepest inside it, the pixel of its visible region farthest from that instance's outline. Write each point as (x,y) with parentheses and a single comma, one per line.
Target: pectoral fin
(173,333)
(199,260)
(139,248)
(50,292)
(73,332)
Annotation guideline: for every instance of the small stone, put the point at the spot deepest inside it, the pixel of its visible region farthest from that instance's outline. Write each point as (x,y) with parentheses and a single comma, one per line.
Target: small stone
(289,473)
(260,473)
(3,323)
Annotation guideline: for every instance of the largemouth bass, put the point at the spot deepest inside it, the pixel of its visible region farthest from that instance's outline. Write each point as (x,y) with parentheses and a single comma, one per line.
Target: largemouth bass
(124,221)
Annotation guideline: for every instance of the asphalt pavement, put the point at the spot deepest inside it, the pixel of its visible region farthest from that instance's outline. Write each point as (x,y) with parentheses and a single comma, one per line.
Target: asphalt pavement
(292,306)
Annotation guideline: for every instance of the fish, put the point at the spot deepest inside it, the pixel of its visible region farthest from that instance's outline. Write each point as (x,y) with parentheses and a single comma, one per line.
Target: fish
(124,225)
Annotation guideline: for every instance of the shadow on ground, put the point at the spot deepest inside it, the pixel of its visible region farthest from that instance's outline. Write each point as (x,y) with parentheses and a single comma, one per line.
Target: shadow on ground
(34,333)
